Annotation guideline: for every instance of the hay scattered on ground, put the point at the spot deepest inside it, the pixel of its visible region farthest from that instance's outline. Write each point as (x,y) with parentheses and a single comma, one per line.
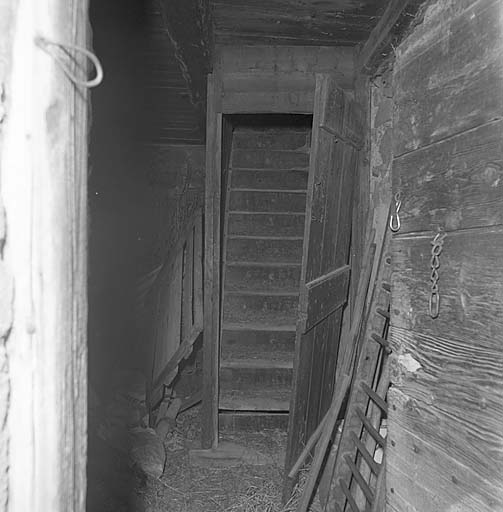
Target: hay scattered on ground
(245,488)
(187,488)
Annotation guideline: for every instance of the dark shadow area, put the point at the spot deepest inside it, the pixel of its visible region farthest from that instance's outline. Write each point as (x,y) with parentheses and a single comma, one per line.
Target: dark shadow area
(116,234)
(267,121)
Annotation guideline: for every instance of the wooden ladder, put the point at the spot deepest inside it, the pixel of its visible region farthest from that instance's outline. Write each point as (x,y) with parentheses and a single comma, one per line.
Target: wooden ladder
(357,474)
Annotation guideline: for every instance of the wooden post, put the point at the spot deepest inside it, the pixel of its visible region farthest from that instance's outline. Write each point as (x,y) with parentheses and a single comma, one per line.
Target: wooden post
(43,164)
(212,259)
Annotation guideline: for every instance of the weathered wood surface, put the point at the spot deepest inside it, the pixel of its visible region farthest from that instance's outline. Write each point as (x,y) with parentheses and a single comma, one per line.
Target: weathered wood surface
(267,309)
(278,79)
(261,139)
(266,343)
(276,180)
(318,23)
(445,415)
(418,465)
(470,285)
(326,249)
(456,183)
(178,319)
(266,224)
(257,278)
(267,201)
(170,73)
(187,24)
(325,295)
(369,355)
(264,250)
(383,38)
(212,259)
(434,102)
(269,159)
(461,415)
(338,61)
(242,421)
(43,164)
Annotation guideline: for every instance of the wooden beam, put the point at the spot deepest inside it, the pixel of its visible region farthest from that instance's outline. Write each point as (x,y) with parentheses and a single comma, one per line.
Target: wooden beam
(187,24)
(397,16)
(212,257)
(43,162)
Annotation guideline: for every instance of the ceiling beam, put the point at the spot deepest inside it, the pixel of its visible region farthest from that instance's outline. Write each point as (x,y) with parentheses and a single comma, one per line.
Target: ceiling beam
(187,24)
(398,15)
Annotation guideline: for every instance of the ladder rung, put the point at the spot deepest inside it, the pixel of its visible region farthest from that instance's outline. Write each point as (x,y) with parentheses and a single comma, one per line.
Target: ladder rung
(370,428)
(384,343)
(351,501)
(383,313)
(386,287)
(374,466)
(359,479)
(380,402)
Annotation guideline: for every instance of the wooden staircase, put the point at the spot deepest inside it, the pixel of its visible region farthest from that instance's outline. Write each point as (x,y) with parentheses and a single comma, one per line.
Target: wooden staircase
(263,238)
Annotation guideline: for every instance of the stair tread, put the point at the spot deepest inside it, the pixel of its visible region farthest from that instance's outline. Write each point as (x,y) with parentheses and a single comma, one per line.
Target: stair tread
(263,237)
(267,399)
(250,326)
(262,293)
(244,263)
(248,363)
(247,212)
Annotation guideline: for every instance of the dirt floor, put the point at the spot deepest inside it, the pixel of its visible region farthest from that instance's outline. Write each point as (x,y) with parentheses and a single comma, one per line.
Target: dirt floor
(114,486)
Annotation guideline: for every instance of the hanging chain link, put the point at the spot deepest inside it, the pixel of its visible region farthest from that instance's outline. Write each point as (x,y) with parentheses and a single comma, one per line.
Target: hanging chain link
(437,245)
(394,220)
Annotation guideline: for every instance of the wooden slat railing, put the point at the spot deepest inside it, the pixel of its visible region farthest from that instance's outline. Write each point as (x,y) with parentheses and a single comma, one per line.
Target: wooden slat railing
(177,300)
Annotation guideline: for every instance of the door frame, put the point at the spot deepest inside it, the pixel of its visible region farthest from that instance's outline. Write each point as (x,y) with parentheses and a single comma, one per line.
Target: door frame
(222,100)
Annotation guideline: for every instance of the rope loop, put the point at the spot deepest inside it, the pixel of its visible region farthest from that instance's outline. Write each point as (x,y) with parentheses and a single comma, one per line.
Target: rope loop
(46,45)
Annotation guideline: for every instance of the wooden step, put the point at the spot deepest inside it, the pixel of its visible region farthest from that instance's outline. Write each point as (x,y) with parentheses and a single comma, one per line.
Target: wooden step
(259,278)
(251,421)
(260,398)
(264,250)
(267,201)
(266,224)
(269,159)
(255,342)
(268,310)
(273,180)
(271,139)
(245,375)
(255,385)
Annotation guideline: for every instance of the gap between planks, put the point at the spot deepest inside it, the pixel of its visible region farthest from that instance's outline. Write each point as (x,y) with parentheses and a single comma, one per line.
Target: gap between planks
(495,120)
(417,235)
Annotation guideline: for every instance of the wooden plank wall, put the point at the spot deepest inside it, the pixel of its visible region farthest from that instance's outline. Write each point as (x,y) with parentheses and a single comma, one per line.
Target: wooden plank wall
(175,302)
(446,405)
(278,78)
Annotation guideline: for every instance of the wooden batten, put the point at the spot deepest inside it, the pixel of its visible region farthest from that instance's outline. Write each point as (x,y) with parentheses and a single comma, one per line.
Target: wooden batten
(278,79)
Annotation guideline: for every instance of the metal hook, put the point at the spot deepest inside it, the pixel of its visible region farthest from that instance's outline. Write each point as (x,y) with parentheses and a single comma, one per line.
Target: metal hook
(394,221)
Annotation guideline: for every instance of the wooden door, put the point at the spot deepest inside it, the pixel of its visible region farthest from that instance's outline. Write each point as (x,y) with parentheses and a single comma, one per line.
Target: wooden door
(336,139)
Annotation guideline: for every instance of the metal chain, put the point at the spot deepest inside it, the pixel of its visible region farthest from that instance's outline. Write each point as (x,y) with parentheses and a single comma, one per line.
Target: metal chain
(394,220)
(437,245)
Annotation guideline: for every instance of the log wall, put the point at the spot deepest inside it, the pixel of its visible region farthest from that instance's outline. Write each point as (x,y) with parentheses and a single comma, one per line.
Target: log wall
(445,435)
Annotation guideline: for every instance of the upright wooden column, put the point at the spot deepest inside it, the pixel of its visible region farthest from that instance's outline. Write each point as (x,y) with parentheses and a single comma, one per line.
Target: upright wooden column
(44,185)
